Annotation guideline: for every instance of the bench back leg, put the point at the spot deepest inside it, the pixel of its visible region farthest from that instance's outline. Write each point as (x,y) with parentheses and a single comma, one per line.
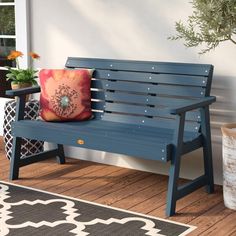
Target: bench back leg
(172,192)
(207,149)
(61,154)
(173,185)
(15,158)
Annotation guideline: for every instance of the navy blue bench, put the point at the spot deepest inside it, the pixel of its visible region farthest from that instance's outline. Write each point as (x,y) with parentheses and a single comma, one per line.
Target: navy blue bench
(152,110)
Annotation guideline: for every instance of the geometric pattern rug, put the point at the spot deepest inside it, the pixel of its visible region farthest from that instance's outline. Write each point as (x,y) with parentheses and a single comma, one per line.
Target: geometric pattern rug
(27,211)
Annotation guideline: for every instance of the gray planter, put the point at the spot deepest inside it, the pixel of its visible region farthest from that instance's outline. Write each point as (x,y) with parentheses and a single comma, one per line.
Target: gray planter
(229,165)
(28,147)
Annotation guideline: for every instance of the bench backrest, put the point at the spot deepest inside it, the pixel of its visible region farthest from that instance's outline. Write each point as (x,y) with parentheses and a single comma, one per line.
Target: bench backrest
(136,91)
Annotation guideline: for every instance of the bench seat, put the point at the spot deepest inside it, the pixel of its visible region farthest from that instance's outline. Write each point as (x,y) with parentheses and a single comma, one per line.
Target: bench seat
(107,136)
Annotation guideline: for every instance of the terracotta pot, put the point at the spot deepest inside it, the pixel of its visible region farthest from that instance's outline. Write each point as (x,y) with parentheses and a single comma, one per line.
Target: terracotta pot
(22,85)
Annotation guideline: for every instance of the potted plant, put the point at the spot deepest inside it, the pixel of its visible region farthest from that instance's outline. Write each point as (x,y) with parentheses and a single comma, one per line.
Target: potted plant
(21,78)
(212,23)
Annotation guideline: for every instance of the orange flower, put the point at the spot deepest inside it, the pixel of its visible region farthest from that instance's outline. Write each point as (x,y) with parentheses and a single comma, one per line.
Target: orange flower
(34,55)
(14,54)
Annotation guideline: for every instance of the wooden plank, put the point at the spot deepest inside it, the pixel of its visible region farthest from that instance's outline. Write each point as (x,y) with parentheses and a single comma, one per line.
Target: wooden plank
(65,180)
(173,90)
(137,198)
(139,110)
(35,173)
(38,157)
(193,210)
(76,189)
(124,180)
(100,182)
(140,66)
(187,80)
(113,197)
(23,91)
(102,141)
(210,219)
(145,99)
(144,121)
(207,212)
(113,128)
(64,186)
(150,204)
(225,227)
(90,177)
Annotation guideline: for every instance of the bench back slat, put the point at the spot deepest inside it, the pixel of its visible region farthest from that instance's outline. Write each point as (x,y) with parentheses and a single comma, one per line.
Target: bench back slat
(138,91)
(139,110)
(140,66)
(145,121)
(200,81)
(148,88)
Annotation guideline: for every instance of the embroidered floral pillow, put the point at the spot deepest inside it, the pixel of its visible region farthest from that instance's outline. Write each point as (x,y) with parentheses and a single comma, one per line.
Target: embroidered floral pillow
(65,94)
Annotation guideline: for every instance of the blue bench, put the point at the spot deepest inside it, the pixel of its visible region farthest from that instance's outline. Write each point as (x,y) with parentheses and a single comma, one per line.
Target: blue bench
(151,110)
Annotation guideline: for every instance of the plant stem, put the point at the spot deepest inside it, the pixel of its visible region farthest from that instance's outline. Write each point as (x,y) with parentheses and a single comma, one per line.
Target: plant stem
(17,64)
(233,41)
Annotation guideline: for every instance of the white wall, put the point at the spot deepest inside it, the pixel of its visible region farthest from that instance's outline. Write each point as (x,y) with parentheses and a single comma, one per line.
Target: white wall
(131,29)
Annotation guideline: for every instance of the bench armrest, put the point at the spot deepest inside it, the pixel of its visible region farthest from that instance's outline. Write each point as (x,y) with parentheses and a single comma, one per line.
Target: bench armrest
(23,91)
(192,105)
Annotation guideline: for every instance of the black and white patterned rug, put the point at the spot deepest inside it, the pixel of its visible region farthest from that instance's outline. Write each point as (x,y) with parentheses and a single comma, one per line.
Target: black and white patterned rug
(26,211)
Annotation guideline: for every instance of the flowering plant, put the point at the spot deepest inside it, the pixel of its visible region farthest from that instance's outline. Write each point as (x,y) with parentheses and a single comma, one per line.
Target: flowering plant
(18,75)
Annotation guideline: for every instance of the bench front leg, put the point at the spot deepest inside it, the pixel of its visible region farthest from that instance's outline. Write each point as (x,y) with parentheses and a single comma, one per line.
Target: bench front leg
(15,158)
(61,154)
(207,149)
(16,146)
(172,193)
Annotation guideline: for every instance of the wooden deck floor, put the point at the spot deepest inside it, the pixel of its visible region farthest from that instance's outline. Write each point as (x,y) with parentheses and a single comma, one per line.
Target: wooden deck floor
(127,189)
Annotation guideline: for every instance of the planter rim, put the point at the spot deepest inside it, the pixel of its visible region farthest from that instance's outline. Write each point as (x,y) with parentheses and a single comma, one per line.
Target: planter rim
(227,130)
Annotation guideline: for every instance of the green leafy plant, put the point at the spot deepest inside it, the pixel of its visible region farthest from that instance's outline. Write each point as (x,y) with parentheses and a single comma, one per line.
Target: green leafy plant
(17,75)
(22,76)
(212,22)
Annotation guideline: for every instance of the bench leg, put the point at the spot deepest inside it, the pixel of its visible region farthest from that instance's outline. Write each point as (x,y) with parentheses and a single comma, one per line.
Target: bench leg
(15,158)
(207,149)
(61,154)
(173,186)
(172,194)
(208,168)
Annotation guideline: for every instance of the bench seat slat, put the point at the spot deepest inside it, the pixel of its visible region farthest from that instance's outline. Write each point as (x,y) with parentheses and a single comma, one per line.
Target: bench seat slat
(149,88)
(104,137)
(96,140)
(129,129)
(140,66)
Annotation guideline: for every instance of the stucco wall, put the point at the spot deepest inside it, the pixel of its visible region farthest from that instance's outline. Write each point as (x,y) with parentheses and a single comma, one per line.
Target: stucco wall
(131,29)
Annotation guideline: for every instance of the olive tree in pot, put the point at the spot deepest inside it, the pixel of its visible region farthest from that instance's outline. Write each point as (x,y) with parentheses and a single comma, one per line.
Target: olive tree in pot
(213,22)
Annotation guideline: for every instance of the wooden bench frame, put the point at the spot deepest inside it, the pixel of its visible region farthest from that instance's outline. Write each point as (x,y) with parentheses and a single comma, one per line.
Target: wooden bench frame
(178,146)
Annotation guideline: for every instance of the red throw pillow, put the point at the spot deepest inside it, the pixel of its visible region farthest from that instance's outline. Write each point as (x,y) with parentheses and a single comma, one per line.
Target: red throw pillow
(65,94)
